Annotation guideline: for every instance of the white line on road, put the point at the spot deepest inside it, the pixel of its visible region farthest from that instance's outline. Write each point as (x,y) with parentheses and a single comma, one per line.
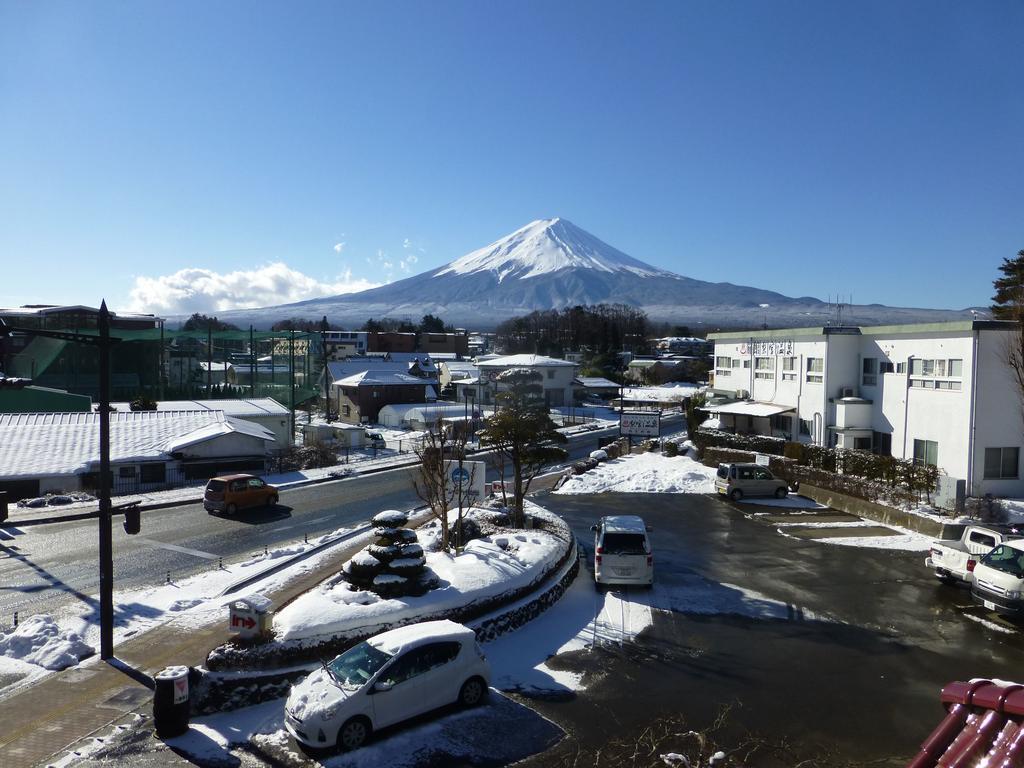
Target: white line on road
(183,550)
(302,524)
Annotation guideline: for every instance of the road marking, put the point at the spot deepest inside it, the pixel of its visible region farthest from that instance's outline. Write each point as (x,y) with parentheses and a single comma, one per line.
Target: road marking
(299,525)
(183,550)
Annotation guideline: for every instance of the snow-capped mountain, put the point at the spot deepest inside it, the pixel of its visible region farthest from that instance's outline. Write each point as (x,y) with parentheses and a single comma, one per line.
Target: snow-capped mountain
(553,264)
(544,247)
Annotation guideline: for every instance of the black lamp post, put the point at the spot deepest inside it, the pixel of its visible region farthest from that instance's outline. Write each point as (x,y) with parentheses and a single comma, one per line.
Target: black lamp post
(106,550)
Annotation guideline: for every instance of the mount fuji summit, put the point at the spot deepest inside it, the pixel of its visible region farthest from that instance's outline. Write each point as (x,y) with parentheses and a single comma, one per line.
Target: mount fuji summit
(553,264)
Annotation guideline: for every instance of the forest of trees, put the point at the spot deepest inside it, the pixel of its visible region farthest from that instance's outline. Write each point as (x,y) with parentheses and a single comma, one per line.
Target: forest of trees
(601,329)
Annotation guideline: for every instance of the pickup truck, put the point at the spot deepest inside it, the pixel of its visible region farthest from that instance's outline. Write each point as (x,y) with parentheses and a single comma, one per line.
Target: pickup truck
(953,560)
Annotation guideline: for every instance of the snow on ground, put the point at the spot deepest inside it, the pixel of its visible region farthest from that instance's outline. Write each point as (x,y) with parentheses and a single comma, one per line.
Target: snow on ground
(790,502)
(190,603)
(644,473)
(581,619)
(487,568)
(907,541)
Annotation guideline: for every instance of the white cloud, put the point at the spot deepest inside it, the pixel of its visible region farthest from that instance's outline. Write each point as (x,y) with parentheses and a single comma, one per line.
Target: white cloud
(407,243)
(203,290)
(339,247)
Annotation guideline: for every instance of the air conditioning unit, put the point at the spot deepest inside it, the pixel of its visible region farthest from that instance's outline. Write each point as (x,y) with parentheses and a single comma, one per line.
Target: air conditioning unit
(742,394)
(847,392)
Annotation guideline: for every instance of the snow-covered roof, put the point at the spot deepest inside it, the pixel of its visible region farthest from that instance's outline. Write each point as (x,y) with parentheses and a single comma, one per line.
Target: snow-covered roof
(346,368)
(750,409)
(208,366)
(240,407)
(596,382)
(525,361)
(378,378)
(398,640)
(46,444)
(669,393)
(424,412)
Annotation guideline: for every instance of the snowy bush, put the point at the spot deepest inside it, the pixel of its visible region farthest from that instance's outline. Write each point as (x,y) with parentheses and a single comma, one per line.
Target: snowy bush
(599,455)
(390,518)
(411,550)
(405,536)
(385,553)
(464,530)
(612,450)
(671,449)
(385,535)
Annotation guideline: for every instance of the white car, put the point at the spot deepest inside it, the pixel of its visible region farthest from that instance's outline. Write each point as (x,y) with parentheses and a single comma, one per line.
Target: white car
(622,552)
(391,677)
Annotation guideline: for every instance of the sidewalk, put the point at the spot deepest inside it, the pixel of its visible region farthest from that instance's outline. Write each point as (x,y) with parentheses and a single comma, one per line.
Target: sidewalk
(47,718)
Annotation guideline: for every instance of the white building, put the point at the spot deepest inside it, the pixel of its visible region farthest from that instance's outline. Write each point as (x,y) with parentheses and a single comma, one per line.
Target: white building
(938,393)
(265,411)
(556,377)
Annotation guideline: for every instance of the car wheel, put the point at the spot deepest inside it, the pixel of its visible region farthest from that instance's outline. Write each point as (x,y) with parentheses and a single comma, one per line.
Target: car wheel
(230,509)
(353,734)
(780,493)
(271,501)
(735,494)
(473,691)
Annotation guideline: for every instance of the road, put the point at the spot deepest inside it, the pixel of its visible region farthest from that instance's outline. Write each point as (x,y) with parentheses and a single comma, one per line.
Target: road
(46,568)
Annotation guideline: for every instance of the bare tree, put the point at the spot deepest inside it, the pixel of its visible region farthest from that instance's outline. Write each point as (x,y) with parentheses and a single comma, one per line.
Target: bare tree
(522,433)
(432,482)
(1008,304)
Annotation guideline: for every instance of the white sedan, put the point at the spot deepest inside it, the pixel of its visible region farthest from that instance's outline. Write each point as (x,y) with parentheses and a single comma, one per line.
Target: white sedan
(391,677)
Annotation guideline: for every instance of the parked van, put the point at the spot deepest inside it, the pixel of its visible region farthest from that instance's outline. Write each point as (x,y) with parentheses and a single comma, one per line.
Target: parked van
(229,493)
(739,480)
(622,552)
(999,579)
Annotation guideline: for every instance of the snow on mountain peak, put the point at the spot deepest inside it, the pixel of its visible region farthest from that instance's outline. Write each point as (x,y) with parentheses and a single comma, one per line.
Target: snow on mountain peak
(545,246)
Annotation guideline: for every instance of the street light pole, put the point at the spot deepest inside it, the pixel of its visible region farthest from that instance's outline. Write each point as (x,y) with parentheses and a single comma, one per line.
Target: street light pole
(106,542)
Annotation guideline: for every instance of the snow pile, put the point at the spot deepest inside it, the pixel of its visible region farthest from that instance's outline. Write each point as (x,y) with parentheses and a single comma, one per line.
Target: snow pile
(41,642)
(644,473)
(482,571)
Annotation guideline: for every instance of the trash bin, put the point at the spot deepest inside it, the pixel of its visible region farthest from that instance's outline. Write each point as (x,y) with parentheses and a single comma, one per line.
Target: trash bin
(171,702)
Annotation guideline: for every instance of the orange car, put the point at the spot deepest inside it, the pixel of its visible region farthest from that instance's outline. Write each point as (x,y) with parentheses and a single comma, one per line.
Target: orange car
(229,493)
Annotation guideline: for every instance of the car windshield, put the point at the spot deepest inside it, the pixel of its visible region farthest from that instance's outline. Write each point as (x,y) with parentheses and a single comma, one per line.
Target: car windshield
(1006,559)
(624,544)
(723,471)
(357,665)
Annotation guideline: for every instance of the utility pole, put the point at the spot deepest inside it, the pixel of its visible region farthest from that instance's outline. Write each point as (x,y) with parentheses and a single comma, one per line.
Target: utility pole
(327,383)
(106,541)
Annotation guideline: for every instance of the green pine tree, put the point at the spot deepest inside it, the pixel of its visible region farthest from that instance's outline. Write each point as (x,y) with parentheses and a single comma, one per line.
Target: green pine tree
(1008,303)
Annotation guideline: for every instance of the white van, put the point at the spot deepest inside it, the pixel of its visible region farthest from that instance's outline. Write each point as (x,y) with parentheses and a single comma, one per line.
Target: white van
(622,552)
(999,579)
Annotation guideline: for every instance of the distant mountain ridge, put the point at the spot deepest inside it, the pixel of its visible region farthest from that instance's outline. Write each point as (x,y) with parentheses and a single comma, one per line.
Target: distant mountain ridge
(553,264)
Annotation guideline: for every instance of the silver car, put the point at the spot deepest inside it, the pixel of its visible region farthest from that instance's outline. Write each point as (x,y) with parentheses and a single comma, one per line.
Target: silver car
(739,480)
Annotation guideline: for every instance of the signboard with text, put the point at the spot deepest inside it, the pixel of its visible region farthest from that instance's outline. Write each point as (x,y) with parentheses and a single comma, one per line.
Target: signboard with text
(640,424)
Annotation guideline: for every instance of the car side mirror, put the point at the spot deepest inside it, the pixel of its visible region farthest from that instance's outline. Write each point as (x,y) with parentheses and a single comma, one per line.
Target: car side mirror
(595,528)
(383,686)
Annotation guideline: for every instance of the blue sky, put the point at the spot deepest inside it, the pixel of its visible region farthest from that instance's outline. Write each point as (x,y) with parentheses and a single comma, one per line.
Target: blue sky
(205,155)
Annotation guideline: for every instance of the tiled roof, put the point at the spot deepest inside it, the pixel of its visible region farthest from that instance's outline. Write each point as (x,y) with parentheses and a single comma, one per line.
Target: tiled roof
(984,725)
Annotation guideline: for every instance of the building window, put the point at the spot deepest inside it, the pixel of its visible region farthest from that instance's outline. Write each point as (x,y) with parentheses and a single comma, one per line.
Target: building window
(926,452)
(1002,463)
(882,443)
(805,427)
(862,443)
(782,422)
(901,367)
(885,366)
(763,368)
(346,410)
(789,369)
(746,363)
(815,370)
(870,369)
(735,362)
(721,362)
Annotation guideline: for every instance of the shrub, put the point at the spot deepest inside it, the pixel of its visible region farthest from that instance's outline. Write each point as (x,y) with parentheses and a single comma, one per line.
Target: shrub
(612,449)
(405,536)
(464,530)
(385,553)
(713,438)
(390,518)
(579,468)
(671,449)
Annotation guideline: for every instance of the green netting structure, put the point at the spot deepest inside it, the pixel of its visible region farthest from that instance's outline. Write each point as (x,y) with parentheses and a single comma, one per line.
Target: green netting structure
(170,365)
